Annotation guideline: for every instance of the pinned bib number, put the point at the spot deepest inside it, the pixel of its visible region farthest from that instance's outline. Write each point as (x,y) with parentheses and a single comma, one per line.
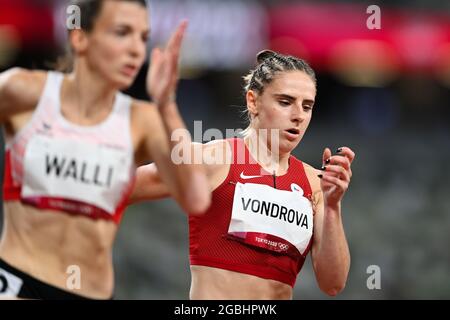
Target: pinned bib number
(276,220)
(74,176)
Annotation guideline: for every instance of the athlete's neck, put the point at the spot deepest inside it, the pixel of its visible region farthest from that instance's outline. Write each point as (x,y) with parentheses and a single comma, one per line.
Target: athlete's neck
(266,155)
(88,93)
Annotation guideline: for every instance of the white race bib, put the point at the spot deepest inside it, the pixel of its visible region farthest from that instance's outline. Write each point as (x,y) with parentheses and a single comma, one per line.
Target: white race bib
(277,220)
(10,285)
(60,169)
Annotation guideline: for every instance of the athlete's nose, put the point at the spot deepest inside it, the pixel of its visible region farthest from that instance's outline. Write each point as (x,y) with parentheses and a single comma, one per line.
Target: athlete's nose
(297,114)
(137,47)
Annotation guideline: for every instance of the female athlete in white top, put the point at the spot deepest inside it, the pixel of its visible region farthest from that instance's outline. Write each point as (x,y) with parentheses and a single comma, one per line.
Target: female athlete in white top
(73,141)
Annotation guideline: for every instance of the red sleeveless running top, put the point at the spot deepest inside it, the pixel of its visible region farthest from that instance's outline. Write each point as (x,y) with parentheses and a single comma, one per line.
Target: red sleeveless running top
(210,242)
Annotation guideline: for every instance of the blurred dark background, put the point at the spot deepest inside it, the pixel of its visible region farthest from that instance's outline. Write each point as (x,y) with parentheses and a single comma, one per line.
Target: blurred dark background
(383,92)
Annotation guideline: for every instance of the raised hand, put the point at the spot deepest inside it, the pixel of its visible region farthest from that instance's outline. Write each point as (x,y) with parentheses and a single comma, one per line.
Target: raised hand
(162,76)
(336,174)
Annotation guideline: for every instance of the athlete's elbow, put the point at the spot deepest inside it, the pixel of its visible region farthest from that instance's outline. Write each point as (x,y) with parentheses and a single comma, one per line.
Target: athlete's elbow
(334,289)
(196,200)
(196,203)
(332,292)
(196,210)
(331,283)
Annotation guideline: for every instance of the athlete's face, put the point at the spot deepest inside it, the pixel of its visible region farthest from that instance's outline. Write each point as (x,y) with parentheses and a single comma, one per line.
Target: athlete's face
(285,104)
(117,44)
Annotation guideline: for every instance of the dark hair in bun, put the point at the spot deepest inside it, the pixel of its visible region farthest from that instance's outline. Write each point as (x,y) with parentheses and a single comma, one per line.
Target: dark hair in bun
(264,55)
(269,64)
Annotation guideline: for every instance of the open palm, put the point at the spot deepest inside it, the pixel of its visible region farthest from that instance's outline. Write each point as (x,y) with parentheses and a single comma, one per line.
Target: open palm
(162,76)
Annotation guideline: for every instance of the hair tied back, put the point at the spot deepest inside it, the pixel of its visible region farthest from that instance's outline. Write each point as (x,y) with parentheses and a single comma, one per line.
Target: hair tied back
(264,55)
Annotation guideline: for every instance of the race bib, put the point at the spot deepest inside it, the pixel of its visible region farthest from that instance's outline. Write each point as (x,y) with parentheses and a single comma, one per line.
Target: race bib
(10,285)
(277,220)
(74,176)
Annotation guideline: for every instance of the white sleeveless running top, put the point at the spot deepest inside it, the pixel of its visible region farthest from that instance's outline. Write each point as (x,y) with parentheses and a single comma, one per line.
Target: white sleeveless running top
(85,170)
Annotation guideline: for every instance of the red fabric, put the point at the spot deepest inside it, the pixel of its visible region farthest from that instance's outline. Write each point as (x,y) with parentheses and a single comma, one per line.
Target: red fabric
(10,191)
(210,245)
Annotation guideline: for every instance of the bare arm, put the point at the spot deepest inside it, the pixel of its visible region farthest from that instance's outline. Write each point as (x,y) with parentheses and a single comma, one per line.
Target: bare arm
(330,252)
(150,186)
(20,90)
(186,180)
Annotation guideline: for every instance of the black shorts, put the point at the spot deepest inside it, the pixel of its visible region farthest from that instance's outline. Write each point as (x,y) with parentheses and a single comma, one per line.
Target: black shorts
(15,283)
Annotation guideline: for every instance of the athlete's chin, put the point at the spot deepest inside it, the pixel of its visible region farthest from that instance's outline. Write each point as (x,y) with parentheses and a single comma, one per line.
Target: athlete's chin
(287,146)
(122,82)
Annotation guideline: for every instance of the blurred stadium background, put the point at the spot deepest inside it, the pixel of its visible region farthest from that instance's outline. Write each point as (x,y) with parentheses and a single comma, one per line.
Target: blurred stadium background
(385,93)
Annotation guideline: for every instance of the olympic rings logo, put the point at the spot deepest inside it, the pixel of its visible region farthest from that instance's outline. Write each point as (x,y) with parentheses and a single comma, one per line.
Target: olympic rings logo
(283,246)
(3,283)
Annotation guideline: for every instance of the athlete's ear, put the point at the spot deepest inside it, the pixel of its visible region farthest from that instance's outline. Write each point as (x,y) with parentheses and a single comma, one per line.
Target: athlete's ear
(251,102)
(78,41)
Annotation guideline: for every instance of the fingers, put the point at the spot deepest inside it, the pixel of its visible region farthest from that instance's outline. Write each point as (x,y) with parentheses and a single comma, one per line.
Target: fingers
(336,171)
(347,152)
(338,160)
(156,66)
(173,49)
(326,154)
(156,61)
(340,184)
(156,54)
(336,174)
(176,39)
(163,73)
(339,165)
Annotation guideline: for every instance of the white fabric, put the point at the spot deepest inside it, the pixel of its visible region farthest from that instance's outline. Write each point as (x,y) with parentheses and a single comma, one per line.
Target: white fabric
(262,209)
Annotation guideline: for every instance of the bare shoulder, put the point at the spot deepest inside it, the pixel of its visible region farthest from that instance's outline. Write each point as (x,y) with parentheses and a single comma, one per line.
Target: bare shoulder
(312,175)
(217,158)
(144,117)
(18,82)
(219,145)
(20,91)
(142,104)
(18,75)
(141,108)
(217,153)
(314,181)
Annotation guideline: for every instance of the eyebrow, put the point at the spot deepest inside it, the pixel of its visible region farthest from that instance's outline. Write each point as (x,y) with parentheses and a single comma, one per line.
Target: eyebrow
(129,27)
(291,98)
(284,96)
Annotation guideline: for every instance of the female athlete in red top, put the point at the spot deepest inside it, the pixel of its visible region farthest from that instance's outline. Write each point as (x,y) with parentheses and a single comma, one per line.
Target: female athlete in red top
(268,208)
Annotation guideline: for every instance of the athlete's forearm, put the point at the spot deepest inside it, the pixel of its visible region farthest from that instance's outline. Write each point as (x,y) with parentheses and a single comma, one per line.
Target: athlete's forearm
(332,259)
(148,185)
(192,187)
